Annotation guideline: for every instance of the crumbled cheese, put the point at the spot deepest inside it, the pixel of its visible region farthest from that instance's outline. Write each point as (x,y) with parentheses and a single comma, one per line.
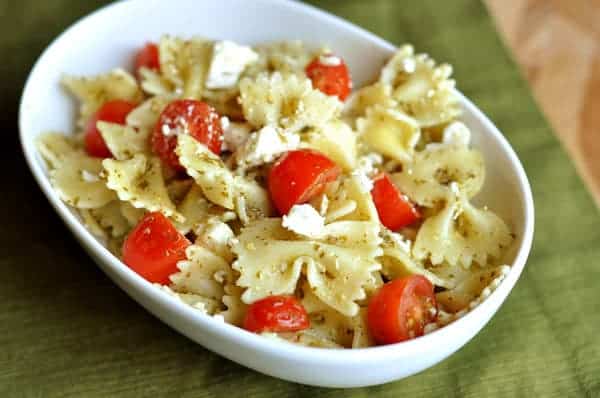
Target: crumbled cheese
(364,181)
(234,134)
(225,123)
(330,60)
(89,177)
(264,145)
(218,232)
(304,220)
(166,130)
(228,62)
(365,170)
(456,133)
(409,65)
(454,188)
(445,318)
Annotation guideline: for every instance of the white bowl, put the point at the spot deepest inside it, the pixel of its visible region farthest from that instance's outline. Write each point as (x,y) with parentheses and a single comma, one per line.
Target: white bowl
(108,38)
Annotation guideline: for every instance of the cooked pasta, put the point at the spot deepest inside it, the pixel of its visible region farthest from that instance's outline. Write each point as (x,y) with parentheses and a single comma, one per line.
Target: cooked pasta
(384,192)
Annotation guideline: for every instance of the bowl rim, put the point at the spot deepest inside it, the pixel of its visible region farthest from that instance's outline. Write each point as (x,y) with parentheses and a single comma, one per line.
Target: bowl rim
(241,336)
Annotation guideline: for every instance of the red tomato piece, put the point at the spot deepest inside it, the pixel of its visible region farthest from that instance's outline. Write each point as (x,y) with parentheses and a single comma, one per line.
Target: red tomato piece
(192,117)
(115,111)
(147,57)
(153,248)
(330,74)
(298,176)
(394,209)
(276,314)
(400,310)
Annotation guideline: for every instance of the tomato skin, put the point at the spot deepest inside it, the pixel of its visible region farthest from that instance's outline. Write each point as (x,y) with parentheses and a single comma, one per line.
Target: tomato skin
(114,111)
(153,248)
(276,314)
(298,176)
(394,209)
(196,118)
(148,57)
(330,79)
(400,309)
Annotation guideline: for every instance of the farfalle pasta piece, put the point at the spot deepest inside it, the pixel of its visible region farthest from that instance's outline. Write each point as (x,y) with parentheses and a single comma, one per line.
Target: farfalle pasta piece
(95,91)
(390,132)
(203,304)
(132,214)
(208,170)
(54,147)
(286,57)
(78,183)
(328,327)
(252,201)
(270,260)
(337,141)
(461,234)
(422,89)
(184,66)
(216,236)
(288,101)
(207,271)
(194,208)
(145,116)
(235,308)
(124,141)
(202,273)
(111,219)
(361,100)
(348,199)
(397,261)
(468,286)
(139,181)
(427,180)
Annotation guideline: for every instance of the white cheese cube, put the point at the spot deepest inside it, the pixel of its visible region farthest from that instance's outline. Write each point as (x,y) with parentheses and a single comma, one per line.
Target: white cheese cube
(228,62)
(304,220)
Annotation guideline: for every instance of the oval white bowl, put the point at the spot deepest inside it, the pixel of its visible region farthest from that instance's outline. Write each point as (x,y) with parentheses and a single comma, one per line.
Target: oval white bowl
(107,39)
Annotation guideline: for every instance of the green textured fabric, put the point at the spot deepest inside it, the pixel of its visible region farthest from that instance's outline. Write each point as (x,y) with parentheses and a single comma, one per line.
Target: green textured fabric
(66,330)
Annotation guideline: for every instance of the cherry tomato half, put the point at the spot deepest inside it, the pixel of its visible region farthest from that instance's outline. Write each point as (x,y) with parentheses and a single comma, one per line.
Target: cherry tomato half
(147,57)
(192,117)
(400,310)
(330,74)
(115,111)
(153,248)
(276,314)
(298,176)
(394,209)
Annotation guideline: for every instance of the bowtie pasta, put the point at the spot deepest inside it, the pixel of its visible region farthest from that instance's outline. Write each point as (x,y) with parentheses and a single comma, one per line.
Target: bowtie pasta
(252,184)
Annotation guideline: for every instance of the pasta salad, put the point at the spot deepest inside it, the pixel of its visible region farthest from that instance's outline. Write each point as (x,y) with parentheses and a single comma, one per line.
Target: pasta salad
(254,184)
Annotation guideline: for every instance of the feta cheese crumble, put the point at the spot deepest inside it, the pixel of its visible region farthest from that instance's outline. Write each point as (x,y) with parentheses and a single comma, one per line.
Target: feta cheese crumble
(365,171)
(330,60)
(456,133)
(228,62)
(264,145)
(304,220)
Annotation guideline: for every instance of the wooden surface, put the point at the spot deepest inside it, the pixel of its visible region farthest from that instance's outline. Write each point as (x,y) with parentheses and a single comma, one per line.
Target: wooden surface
(557,44)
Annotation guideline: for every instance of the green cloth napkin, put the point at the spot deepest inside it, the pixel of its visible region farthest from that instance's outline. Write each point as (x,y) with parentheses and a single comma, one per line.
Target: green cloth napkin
(66,330)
